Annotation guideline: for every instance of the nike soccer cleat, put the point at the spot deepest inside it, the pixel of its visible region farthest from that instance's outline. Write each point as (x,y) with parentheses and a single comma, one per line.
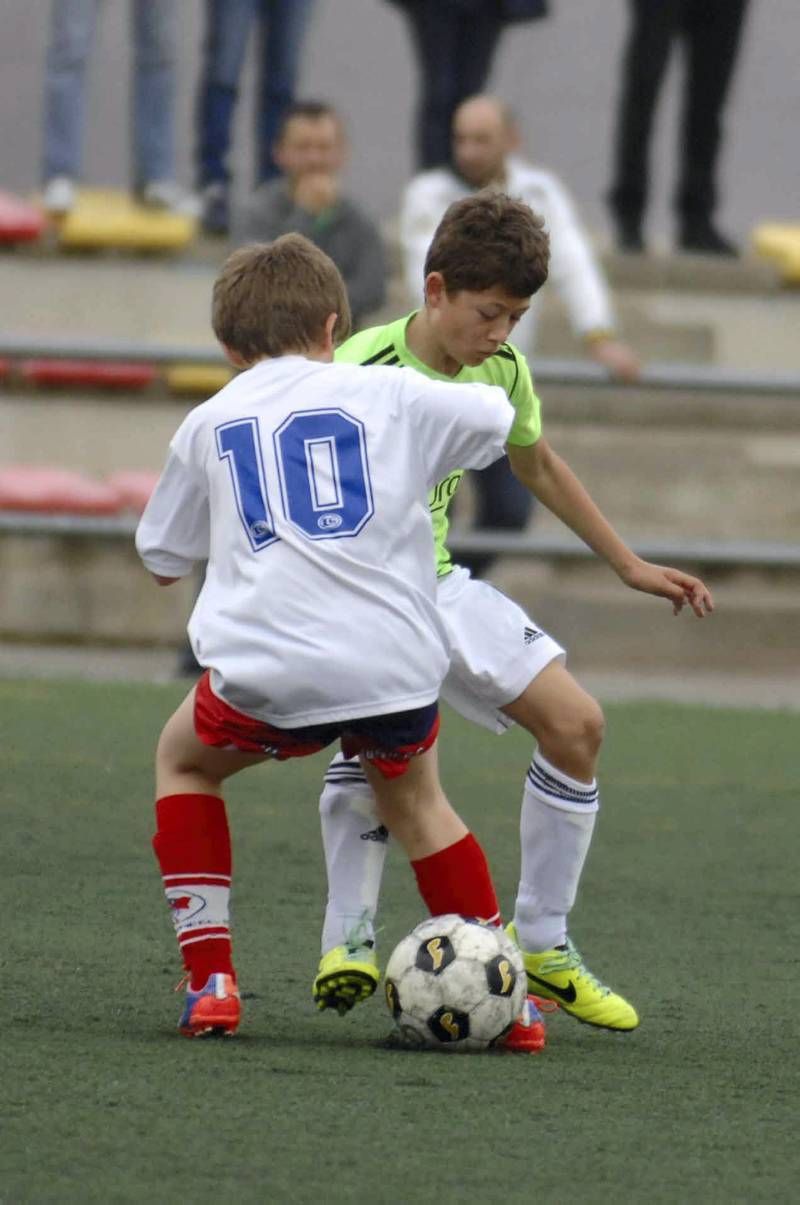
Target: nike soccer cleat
(527,1034)
(563,976)
(213,1011)
(347,975)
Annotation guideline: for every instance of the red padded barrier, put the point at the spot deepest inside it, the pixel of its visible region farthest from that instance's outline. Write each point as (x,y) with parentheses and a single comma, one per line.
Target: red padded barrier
(97,374)
(19,221)
(133,487)
(38,488)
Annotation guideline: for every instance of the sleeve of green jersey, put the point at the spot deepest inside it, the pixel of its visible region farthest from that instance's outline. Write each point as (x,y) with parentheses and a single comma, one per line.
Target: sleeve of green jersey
(527,426)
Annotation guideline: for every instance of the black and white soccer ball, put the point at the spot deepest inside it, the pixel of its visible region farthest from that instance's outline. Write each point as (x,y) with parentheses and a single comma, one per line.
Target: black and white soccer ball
(455,984)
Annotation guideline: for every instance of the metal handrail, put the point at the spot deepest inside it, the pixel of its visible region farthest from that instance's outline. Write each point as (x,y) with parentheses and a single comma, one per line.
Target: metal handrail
(697,377)
(740,553)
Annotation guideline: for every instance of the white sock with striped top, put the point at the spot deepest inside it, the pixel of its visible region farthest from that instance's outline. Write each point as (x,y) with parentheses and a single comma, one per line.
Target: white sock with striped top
(556,825)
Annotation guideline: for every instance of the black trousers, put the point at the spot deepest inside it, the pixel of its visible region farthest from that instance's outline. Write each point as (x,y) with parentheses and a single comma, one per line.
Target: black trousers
(710,31)
(454,49)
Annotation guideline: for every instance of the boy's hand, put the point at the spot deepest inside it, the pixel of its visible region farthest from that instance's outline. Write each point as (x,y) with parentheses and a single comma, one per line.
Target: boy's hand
(619,360)
(680,588)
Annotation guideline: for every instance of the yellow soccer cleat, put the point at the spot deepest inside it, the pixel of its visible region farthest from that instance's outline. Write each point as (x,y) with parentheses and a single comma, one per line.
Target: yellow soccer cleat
(562,975)
(347,976)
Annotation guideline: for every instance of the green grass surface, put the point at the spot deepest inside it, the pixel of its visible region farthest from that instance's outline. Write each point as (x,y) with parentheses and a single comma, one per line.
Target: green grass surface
(686,906)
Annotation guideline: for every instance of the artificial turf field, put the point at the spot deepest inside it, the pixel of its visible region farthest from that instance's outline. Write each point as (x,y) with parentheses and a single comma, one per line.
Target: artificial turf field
(687,906)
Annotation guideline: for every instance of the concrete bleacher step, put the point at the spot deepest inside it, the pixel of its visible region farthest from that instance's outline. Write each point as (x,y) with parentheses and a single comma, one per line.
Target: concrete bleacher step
(59,589)
(688,273)
(679,466)
(684,342)
(85,592)
(604,625)
(667,462)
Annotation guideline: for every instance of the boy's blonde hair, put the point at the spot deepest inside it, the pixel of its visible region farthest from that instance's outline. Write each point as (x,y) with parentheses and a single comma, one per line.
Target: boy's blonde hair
(271,299)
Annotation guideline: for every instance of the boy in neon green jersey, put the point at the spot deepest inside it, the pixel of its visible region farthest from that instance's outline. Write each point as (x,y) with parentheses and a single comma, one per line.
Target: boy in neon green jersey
(488,257)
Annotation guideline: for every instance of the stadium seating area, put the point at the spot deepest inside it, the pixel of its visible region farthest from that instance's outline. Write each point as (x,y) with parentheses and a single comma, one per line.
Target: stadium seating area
(20,222)
(114,376)
(101,219)
(780,243)
(675,310)
(49,490)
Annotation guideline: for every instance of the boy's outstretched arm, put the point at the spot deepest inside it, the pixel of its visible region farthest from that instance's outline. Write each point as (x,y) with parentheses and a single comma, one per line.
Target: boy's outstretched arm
(553,482)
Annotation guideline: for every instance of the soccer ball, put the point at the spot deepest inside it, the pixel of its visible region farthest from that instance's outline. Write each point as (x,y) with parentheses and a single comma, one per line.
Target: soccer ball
(455,984)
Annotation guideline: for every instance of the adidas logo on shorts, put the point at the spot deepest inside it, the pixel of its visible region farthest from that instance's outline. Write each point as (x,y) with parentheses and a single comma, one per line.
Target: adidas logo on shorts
(532,635)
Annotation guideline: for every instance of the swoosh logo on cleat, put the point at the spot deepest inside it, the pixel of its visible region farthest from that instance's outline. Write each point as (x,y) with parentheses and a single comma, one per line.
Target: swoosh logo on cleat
(567,994)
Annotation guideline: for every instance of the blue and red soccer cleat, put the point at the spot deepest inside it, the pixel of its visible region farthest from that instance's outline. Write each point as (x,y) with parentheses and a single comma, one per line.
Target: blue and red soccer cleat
(213,1011)
(527,1035)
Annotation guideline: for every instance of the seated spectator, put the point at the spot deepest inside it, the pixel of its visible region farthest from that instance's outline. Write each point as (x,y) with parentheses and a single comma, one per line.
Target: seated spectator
(485,141)
(281,29)
(308,199)
(154,32)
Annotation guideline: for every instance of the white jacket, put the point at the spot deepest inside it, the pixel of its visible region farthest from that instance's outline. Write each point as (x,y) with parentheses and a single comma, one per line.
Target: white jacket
(573,267)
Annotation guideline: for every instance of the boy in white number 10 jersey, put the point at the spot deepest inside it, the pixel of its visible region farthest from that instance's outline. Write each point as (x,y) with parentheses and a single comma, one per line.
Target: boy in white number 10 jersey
(305,485)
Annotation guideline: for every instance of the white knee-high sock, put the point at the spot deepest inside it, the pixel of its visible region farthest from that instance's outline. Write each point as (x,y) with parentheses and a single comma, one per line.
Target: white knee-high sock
(355,844)
(556,825)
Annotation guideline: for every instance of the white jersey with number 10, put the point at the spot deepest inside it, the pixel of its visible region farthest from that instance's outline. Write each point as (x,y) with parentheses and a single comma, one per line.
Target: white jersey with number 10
(305,486)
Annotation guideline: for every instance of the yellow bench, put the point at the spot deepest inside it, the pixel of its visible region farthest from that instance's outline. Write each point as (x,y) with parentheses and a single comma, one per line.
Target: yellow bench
(106,218)
(780,242)
(201,380)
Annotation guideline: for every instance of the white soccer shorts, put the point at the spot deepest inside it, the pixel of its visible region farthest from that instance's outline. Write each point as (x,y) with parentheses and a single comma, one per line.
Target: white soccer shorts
(497,650)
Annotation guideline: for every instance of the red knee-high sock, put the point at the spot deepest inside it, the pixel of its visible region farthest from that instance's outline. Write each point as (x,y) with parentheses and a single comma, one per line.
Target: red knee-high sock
(193,847)
(458,879)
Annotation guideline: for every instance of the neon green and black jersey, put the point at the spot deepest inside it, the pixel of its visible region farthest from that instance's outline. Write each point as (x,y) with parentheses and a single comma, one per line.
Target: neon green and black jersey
(506,368)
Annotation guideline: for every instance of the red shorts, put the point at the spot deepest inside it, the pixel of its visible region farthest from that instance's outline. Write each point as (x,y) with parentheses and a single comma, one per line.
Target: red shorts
(387,742)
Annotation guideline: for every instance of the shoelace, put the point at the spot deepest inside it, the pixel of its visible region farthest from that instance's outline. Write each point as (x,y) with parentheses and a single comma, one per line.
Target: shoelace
(571,960)
(361,935)
(574,962)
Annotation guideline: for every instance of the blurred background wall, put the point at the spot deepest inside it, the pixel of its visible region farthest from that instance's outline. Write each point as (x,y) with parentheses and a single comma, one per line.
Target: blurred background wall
(560,75)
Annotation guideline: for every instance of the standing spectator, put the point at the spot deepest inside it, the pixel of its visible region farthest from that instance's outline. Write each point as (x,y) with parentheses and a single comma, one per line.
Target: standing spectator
(308,199)
(711,33)
(485,139)
(154,40)
(455,42)
(282,27)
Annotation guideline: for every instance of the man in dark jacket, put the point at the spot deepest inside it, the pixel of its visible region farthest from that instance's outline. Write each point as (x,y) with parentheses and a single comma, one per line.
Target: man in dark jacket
(308,199)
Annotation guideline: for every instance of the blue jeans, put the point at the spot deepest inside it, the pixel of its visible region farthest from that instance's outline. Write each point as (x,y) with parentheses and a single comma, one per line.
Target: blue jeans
(282,26)
(154,38)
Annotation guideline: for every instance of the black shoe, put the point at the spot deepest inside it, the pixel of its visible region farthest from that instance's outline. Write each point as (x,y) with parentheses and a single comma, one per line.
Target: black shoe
(627,230)
(629,236)
(705,239)
(216,216)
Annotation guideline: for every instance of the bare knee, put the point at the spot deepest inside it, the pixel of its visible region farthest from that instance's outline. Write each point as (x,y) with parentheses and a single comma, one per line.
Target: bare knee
(571,738)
